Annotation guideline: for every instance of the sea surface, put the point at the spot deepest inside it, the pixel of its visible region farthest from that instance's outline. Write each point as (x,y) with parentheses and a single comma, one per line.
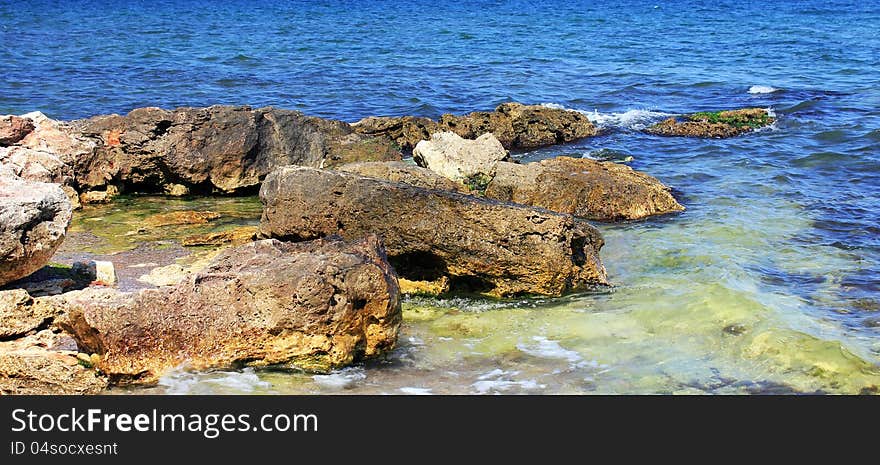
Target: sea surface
(769,282)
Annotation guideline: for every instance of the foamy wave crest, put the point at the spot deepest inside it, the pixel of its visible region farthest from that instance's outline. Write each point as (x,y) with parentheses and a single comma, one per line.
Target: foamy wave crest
(762,90)
(632,119)
(345,378)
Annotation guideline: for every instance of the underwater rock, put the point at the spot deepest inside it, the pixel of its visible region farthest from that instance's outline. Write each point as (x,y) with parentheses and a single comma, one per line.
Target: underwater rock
(458,159)
(35,365)
(232,236)
(719,124)
(515,125)
(14,128)
(485,245)
(34,217)
(313,305)
(603,191)
(399,171)
(222,148)
(183,217)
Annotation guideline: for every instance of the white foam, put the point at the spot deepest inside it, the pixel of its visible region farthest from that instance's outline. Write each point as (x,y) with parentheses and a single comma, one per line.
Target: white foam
(762,90)
(182,381)
(546,348)
(631,119)
(499,380)
(341,379)
(416,391)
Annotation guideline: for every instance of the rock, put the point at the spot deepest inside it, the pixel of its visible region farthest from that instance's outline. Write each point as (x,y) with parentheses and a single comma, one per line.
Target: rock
(603,191)
(220,148)
(180,217)
(20,313)
(14,128)
(458,159)
(101,272)
(520,126)
(176,190)
(399,171)
(166,275)
(719,124)
(429,288)
(493,247)
(73,196)
(33,221)
(315,306)
(29,366)
(232,236)
(515,125)
(405,131)
(45,154)
(98,197)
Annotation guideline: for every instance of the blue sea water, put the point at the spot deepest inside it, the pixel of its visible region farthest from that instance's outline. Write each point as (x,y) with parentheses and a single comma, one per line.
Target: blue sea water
(782,230)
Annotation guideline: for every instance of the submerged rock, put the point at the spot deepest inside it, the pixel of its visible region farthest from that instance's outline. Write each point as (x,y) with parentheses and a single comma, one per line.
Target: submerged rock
(458,159)
(719,124)
(515,125)
(485,245)
(603,191)
(220,148)
(314,305)
(34,365)
(183,217)
(232,236)
(34,217)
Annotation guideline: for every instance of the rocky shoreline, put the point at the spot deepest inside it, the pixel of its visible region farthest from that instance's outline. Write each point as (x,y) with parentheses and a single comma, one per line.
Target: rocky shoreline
(349,223)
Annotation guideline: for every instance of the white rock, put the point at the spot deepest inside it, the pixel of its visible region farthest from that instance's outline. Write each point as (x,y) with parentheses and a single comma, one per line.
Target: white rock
(456,158)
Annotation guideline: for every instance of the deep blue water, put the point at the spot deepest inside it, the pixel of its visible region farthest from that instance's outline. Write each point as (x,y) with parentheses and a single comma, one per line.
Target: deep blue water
(794,209)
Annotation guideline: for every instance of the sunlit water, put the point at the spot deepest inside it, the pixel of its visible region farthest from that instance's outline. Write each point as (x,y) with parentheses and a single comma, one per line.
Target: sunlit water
(767,283)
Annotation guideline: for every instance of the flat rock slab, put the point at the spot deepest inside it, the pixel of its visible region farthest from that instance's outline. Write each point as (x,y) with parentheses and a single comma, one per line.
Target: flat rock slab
(603,191)
(489,246)
(315,305)
(33,366)
(34,217)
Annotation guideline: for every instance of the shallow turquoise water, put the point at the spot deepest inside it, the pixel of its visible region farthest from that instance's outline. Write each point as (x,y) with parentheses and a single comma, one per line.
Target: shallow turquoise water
(767,283)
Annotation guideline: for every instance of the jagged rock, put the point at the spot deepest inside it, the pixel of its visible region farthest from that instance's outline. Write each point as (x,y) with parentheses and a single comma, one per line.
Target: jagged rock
(405,131)
(232,236)
(520,126)
(220,147)
(315,305)
(45,154)
(20,313)
(34,218)
(497,248)
(458,159)
(14,128)
(586,188)
(517,126)
(98,197)
(35,365)
(720,124)
(399,171)
(182,217)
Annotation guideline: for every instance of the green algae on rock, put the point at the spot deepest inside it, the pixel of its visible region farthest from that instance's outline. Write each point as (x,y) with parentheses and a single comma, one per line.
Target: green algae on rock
(716,124)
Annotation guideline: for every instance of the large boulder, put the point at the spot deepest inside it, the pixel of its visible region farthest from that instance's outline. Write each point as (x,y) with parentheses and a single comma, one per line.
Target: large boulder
(34,218)
(488,246)
(219,148)
(458,159)
(316,305)
(40,365)
(603,191)
(515,125)
(718,124)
